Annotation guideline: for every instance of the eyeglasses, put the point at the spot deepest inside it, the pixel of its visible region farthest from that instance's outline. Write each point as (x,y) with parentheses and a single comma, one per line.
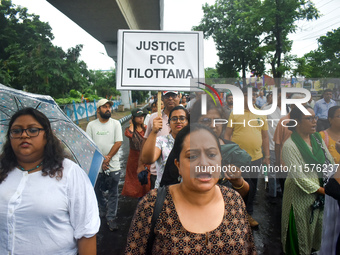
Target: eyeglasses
(31,132)
(180,118)
(167,96)
(310,119)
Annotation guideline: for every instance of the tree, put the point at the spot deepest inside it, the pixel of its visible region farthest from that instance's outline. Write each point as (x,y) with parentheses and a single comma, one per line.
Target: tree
(211,73)
(324,62)
(104,83)
(329,49)
(279,17)
(28,59)
(246,31)
(236,33)
(139,96)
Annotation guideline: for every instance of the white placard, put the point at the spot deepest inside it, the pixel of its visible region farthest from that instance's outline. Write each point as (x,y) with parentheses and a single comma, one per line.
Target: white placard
(159,60)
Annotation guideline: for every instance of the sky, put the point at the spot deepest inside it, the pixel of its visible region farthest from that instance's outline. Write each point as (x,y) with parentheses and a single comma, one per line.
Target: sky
(179,15)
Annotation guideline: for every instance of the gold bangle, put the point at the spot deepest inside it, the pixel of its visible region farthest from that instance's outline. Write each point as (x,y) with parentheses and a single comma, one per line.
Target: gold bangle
(238,187)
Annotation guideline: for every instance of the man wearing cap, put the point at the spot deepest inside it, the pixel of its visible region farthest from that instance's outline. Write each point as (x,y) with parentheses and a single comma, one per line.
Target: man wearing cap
(107,134)
(170,100)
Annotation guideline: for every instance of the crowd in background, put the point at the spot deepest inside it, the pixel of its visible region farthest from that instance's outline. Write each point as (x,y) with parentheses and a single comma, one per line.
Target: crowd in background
(299,146)
(183,207)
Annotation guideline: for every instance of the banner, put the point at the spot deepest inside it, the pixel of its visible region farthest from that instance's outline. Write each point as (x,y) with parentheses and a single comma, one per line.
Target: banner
(159,60)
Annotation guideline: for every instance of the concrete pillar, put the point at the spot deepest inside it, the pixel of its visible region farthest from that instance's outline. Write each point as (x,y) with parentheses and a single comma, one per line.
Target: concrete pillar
(126,99)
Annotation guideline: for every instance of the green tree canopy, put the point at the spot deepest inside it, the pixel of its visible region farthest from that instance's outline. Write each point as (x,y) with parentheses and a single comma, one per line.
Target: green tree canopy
(278,21)
(29,61)
(103,82)
(324,62)
(247,32)
(234,28)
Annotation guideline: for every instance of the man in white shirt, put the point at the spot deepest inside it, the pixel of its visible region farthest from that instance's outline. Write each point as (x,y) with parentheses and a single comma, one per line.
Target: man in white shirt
(107,134)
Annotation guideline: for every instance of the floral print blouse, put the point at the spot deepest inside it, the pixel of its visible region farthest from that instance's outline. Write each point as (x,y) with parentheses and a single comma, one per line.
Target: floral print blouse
(232,236)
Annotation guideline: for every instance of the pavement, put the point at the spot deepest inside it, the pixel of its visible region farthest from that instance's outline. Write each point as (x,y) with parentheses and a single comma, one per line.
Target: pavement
(266,212)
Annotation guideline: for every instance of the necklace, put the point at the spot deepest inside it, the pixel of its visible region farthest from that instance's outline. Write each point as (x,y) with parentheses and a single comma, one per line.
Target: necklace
(29,170)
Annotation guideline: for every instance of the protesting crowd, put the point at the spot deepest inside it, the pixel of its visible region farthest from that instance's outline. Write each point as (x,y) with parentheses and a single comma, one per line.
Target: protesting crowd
(48,205)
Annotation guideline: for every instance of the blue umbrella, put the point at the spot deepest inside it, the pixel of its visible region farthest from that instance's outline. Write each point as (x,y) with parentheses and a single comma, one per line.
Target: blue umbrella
(83,150)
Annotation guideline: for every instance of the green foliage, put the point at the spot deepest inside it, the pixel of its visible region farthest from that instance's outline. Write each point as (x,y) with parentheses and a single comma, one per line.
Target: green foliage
(140,96)
(68,100)
(323,62)
(104,83)
(74,93)
(278,21)
(76,96)
(248,33)
(29,61)
(234,28)
(211,73)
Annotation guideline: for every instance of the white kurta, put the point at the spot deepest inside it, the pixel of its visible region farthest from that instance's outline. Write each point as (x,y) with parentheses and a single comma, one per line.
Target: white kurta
(43,215)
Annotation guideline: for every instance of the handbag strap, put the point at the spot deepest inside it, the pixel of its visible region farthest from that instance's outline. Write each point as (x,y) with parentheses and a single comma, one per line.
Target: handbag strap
(327,162)
(161,193)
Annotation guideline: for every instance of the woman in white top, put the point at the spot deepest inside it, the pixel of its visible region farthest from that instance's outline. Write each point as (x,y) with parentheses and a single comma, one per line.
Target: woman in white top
(47,202)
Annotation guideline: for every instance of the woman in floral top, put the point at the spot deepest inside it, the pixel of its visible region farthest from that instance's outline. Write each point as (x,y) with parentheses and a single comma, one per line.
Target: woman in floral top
(157,149)
(197,216)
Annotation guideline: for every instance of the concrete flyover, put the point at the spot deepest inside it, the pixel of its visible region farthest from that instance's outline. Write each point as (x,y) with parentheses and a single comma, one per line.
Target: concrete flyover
(103,18)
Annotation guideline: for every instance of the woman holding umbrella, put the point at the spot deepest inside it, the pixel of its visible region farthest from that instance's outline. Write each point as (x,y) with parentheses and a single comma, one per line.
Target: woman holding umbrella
(47,202)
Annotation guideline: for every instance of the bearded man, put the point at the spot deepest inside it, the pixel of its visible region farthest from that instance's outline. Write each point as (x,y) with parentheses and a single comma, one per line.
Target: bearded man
(107,134)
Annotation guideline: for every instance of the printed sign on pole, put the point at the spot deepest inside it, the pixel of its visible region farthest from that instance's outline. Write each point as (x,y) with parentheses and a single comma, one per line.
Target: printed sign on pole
(159,60)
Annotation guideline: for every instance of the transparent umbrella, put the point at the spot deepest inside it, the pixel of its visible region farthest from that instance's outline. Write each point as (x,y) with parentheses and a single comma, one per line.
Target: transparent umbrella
(79,145)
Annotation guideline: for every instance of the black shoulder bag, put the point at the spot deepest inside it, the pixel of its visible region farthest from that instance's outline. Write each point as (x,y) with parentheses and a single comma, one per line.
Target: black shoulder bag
(161,193)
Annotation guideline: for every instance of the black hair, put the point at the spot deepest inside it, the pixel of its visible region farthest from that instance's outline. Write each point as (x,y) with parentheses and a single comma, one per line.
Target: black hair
(53,151)
(296,114)
(331,111)
(325,91)
(179,107)
(178,145)
(229,95)
(135,124)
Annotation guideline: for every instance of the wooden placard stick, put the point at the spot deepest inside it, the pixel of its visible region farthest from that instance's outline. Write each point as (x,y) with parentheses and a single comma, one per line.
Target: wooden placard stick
(159,98)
